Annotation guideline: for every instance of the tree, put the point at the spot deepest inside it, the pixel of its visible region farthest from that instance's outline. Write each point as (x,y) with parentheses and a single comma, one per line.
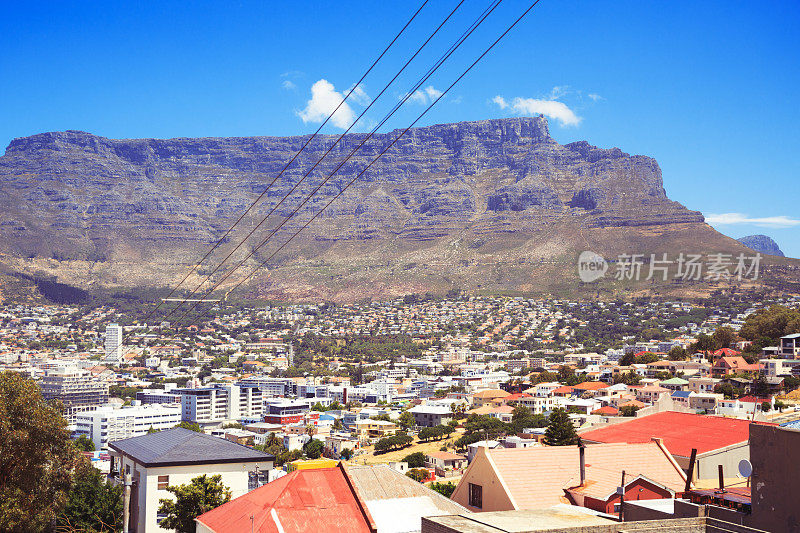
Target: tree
(84,444)
(192,499)
(93,503)
(406,419)
(560,431)
(418,474)
(346,454)
(445,489)
(723,337)
(414,460)
(314,448)
(337,424)
(190,425)
(628,410)
(766,407)
(36,456)
(677,353)
(521,412)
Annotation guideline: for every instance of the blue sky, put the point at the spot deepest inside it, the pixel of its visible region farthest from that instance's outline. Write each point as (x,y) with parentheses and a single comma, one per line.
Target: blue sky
(707,88)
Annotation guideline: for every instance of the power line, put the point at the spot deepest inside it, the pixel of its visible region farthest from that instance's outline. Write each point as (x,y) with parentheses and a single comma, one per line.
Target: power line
(260,196)
(308,173)
(408,95)
(433,103)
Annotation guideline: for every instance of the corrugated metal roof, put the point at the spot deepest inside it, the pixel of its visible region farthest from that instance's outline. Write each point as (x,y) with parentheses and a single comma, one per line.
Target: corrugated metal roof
(179,446)
(382,483)
(303,501)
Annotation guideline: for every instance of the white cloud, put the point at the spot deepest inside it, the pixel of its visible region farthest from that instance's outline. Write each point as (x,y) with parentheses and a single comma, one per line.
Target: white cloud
(324,99)
(595,97)
(781,221)
(425,95)
(287,84)
(550,108)
(359,96)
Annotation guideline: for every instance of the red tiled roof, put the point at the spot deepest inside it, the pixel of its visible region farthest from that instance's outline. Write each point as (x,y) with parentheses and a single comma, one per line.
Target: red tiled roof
(305,500)
(607,411)
(681,432)
(563,390)
(590,385)
(753,399)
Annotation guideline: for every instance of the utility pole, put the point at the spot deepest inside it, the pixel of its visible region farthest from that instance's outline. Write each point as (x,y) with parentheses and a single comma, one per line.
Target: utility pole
(126,503)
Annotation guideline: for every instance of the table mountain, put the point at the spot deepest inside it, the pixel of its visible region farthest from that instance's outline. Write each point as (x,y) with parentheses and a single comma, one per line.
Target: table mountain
(493,205)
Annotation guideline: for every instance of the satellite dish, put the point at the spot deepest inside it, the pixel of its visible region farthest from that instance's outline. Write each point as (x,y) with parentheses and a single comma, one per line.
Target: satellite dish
(745,468)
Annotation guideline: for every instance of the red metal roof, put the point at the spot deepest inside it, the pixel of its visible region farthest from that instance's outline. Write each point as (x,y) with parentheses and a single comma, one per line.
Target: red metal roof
(680,431)
(305,500)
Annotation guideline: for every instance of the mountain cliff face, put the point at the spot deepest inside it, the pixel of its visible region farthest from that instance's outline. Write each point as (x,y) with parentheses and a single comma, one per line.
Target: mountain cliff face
(468,204)
(763,244)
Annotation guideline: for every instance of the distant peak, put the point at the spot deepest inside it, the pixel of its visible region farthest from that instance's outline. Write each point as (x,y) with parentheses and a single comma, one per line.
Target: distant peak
(763,244)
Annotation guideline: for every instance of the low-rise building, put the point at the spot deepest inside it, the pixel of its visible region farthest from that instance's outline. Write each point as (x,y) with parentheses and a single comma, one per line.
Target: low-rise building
(171,457)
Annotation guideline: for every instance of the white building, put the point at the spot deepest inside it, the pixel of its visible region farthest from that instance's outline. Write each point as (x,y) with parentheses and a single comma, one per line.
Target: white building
(174,457)
(216,404)
(76,389)
(113,343)
(106,424)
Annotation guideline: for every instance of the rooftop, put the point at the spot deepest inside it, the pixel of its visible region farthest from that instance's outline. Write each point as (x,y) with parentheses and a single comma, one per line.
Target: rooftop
(680,431)
(180,446)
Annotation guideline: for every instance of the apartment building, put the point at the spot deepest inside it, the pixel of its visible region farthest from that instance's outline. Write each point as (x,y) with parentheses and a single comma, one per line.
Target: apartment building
(76,389)
(216,404)
(113,343)
(106,424)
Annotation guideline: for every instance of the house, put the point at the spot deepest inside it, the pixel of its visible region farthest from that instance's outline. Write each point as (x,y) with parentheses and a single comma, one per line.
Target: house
(431,415)
(155,461)
(718,440)
(743,407)
(445,463)
(369,429)
(790,346)
(725,366)
(489,397)
(343,498)
(675,384)
(651,393)
(532,478)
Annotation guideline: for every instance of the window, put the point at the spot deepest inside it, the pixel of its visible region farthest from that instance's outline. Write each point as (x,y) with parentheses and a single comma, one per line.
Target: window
(475,495)
(163,482)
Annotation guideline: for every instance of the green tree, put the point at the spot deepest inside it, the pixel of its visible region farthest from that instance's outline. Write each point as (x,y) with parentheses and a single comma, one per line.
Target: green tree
(629,410)
(190,425)
(723,337)
(314,448)
(84,444)
(192,499)
(406,419)
(445,489)
(93,503)
(418,474)
(415,460)
(560,430)
(36,456)
(766,407)
(346,454)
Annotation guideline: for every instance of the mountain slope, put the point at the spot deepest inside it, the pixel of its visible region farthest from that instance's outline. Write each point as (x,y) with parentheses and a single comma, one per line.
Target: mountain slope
(494,205)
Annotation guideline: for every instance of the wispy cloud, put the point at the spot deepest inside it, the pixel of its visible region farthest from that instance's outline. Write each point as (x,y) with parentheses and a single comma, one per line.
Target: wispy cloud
(424,96)
(723,219)
(325,98)
(288,85)
(550,108)
(595,97)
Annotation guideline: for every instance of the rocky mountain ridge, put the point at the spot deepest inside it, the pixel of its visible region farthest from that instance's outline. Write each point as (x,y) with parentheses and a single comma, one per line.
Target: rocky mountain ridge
(453,201)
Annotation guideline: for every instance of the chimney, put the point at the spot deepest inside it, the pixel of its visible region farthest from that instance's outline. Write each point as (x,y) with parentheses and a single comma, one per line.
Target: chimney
(582,453)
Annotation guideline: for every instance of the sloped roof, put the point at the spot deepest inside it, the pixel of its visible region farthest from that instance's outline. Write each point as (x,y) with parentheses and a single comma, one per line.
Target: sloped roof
(180,446)
(590,385)
(382,482)
(681,432)
(491,393)
(536,477)
(305,500)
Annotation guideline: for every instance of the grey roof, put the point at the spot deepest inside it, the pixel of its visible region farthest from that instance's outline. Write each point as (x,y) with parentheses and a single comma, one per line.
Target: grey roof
(382,482)
(180,446)
(681,394)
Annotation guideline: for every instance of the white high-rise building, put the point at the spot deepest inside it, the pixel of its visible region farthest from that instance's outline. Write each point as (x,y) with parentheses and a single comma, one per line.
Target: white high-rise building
(106,424)
(113,343)
(218,403)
